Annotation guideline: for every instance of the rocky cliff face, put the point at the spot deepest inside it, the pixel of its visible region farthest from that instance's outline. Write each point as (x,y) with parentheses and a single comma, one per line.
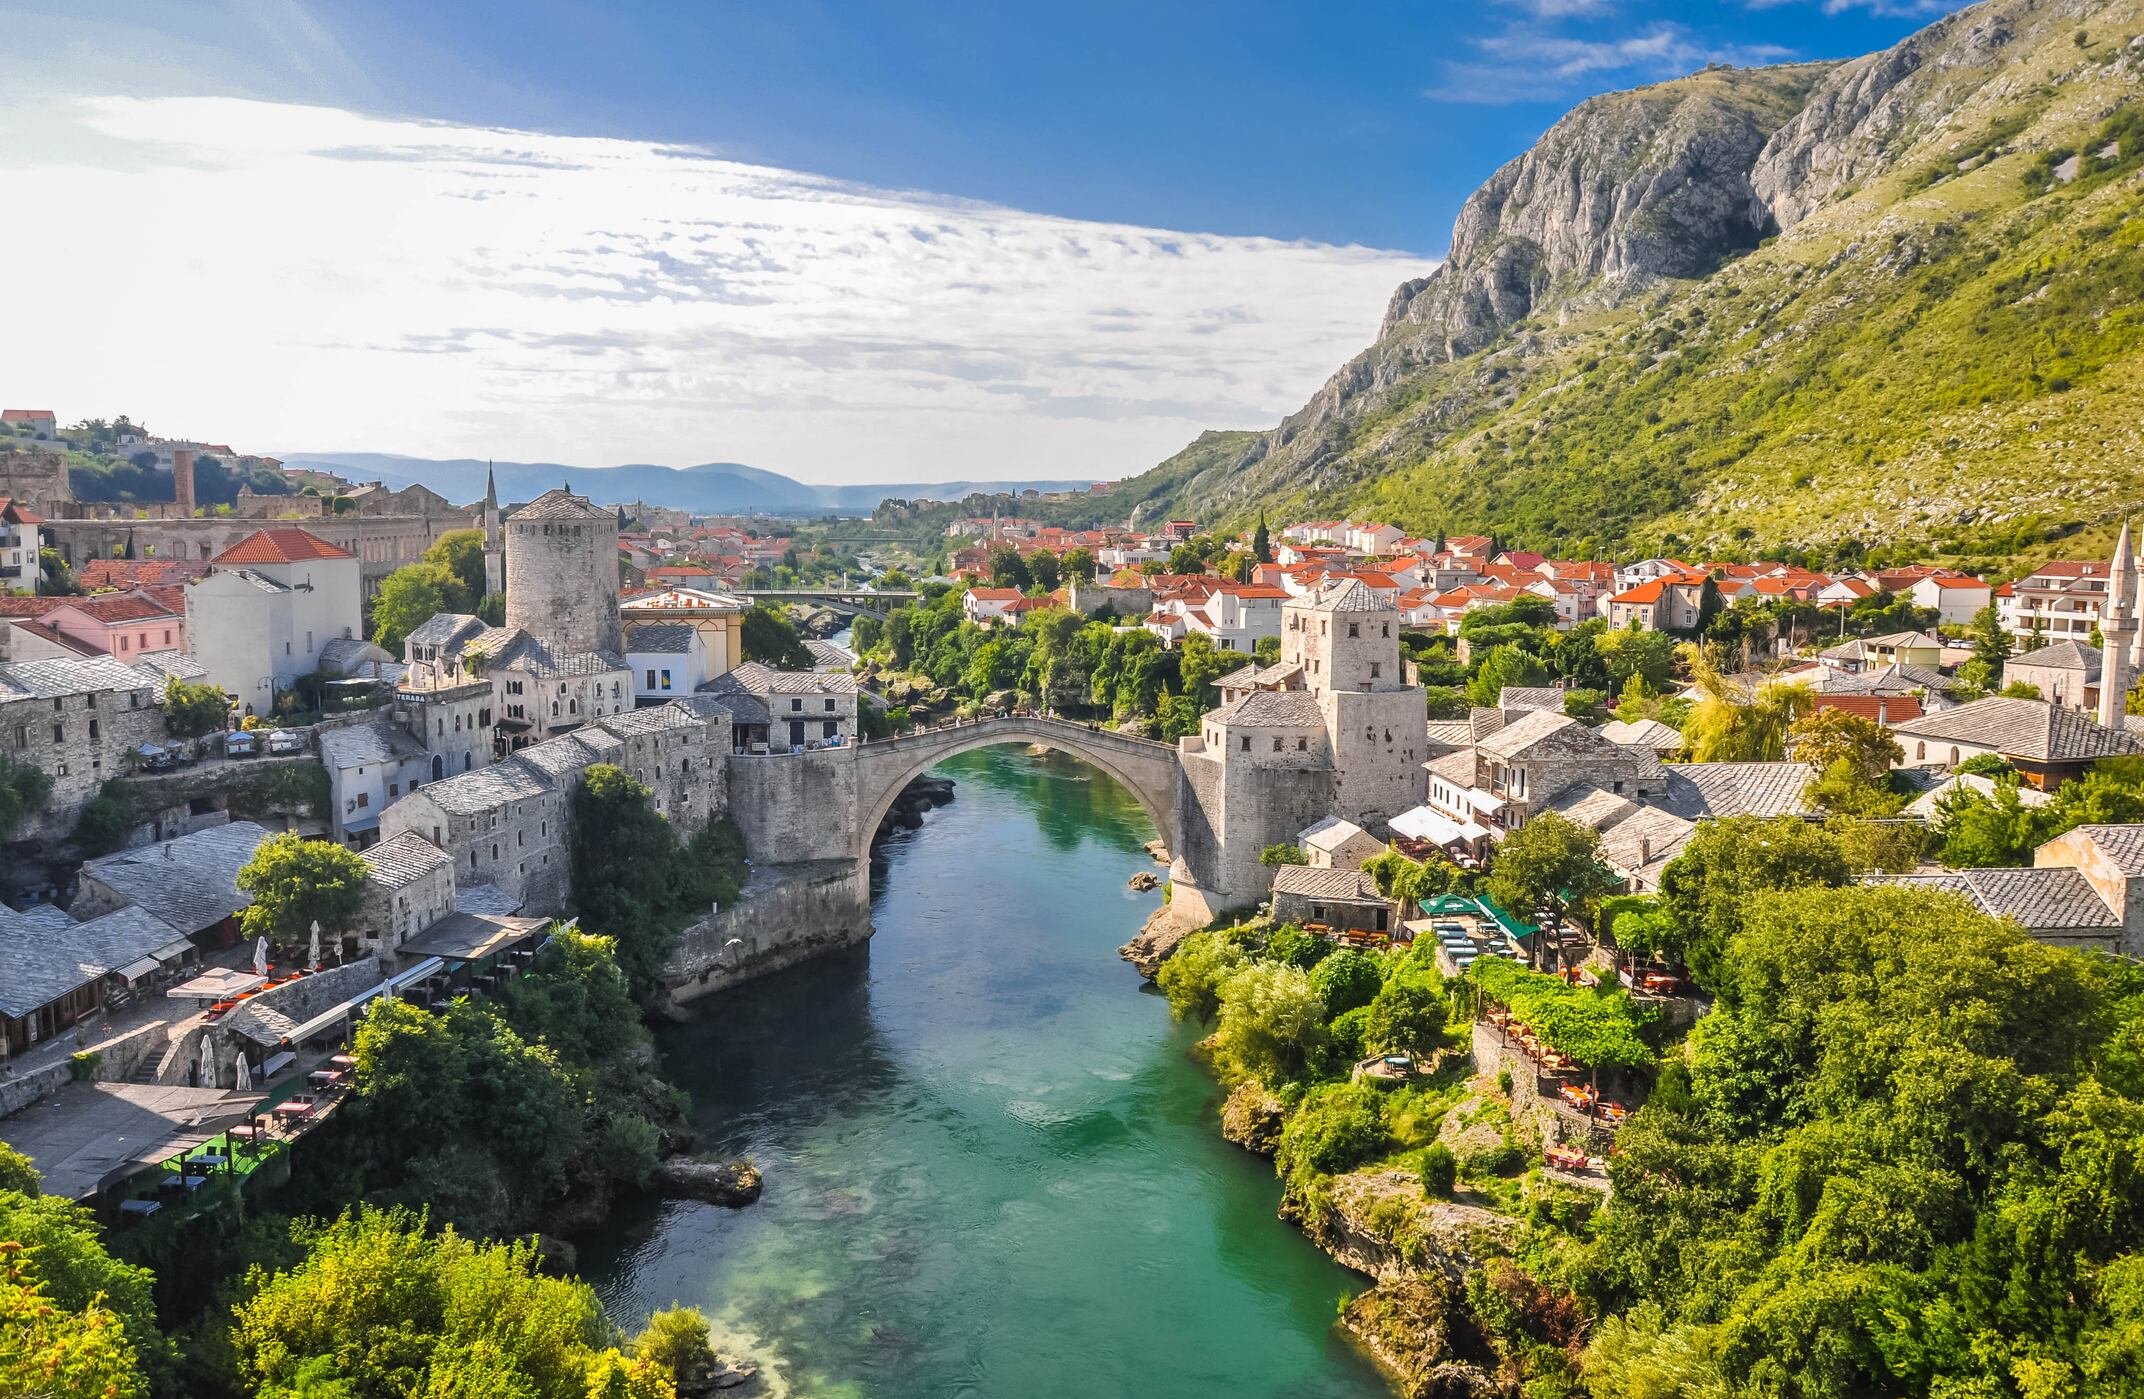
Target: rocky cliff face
(1633,244)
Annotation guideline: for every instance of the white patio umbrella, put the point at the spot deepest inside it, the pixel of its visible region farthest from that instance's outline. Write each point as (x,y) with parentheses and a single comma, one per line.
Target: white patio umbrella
(260,957)
(312,957)
(242,1079)
(208,1065)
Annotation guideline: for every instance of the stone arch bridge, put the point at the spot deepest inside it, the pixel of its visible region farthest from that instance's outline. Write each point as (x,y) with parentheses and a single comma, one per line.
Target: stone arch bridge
(885,766)
(857,602)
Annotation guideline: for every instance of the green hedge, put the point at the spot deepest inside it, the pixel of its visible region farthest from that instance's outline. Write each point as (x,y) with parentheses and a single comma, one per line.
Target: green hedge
(1592,1027)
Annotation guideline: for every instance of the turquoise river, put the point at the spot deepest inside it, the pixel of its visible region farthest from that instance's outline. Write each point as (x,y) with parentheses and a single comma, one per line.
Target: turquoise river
(992,1169)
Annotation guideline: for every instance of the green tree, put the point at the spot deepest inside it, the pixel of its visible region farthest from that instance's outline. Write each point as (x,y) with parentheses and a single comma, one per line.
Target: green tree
(1345,980)
(460,552)
(1261,541)
(1505,665)
(1192,977)
(1283,854)
(675,1342)
(1991,643)
(1199,663)
(1440,1171)
(191,709)
(1407,1015)
(1550,862)
(1266,650)
(408,598)
(1851,757)
(625,871)
(1726,864)
(1042,566)
(297,882)
(50,1350)
(1008,569)
(772,639)
(23,790)
(1271,1022)
(1076,565)
(65,1302)
(379,1309)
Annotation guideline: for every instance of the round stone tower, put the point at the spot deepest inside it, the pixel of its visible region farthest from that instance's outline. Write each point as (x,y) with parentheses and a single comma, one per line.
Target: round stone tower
(562,574)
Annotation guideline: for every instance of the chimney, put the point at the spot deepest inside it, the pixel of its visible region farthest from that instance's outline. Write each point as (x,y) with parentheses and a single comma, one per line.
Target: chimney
(182,480)
(1645,849)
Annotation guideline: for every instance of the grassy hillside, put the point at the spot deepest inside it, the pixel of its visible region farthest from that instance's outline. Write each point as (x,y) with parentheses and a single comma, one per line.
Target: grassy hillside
(1946,357)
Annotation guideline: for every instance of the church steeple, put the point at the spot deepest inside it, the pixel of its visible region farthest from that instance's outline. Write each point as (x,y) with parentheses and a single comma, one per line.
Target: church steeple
(2117,628)
(494,536)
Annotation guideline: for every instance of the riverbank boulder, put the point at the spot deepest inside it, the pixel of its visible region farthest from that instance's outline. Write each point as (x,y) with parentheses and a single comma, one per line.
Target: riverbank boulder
(731,1183)
(1144,880)
(1252,1118)
(1420,1334)
(1160,937)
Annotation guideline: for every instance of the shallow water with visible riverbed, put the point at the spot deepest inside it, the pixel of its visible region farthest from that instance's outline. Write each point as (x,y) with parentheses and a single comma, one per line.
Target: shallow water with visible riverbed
(992,1169)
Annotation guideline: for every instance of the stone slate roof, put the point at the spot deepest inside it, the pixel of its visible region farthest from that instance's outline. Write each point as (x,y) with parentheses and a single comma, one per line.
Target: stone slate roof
(754,678)
(63,676)
(742,706)
(192,882)
(1531,727)
(561,505)
(1893,679)
(360,745)
(1272,709)
(1344,595)
(485,899)
(402,860)
(1456,767)
(659,638)
(519,650)
(564,758)
(159,666)
(1698,790)
(127,935)
(1643,843)
(1312,883)
(1595,808)
(488,788)
(1648,733)
(345,653)
(1329,834)
(2063,655)
(446,628)
(39,967)
(656,718)
(2036,730)
(1542,697)
(2122,845)
(1451,733)
(2043,900)
(1929,804)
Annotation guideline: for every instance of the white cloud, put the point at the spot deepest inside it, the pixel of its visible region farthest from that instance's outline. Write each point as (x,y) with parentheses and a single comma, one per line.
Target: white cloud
(282,276)
(1526,63)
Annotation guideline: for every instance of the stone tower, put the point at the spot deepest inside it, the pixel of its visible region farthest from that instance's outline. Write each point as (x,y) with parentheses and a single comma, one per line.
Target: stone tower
(1348,643)
(494,544)
(2117,630)
(562,574)
(182,480)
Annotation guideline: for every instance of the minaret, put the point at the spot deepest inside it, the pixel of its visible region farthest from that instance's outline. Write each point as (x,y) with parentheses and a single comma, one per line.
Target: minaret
(494,557)
(2117,628)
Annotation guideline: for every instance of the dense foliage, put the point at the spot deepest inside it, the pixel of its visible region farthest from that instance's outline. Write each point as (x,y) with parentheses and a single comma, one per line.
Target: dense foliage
(1905,1161)
(635,881)
(1979,830)
(1596,1026)
(771,638)
(296,883)
(24,789)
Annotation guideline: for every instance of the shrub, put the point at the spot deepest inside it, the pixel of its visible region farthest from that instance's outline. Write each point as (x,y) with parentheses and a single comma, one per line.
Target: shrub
(1296,948)
(1492,1159)
(676,1343)
(1348,1032)
(1347,980)
(1192,978)
(1337,1128)
(1503,1082)
(1440,1171)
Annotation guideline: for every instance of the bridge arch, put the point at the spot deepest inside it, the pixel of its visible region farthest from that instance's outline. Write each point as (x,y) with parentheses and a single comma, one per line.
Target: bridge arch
(886,766)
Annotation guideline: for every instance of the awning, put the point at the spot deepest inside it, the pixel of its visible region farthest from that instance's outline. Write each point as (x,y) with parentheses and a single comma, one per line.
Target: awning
(136,970)
(174,951)
(1424,824)
(368,822)
(1483,802)
(219,984)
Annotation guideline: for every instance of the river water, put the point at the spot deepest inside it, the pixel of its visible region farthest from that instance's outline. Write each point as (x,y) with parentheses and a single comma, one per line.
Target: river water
(991,1169)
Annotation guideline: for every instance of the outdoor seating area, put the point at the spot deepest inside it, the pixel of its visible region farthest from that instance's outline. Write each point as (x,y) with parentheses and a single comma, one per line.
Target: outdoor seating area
(1460,945)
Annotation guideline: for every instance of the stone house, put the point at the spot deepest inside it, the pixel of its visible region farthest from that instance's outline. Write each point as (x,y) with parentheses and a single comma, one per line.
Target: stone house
(1666,603)
(1905,648)
(1536,755)
(2065,672)
(1339,900)
(2047,743)
(2085,889)
(268,606)
(77,720)
(786,708)
(717,617)
(409,886)
(1338,845)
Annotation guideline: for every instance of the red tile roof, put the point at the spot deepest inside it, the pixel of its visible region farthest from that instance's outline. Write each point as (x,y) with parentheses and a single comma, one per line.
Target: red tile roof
(29,606)
(281,546)
(47,632)
(1883,709)
(119,607)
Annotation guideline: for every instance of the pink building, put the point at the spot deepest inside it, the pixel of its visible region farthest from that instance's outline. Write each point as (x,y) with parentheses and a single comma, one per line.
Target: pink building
(124,625)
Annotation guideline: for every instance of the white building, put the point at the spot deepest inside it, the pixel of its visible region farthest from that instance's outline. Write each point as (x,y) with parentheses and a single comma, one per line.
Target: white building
(667,659)
(268,606)
(1955,599)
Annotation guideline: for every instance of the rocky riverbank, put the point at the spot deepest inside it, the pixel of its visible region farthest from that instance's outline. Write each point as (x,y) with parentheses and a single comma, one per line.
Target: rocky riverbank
(918,797)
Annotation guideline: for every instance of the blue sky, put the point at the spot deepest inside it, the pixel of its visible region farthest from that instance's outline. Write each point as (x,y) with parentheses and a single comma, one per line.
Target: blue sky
(1344,122)
(847,242)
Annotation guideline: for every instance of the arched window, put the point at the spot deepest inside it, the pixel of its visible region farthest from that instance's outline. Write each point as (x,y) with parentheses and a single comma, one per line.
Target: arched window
(439,767)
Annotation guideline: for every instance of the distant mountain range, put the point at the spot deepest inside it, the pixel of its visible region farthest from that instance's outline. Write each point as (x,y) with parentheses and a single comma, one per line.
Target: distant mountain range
(712,488)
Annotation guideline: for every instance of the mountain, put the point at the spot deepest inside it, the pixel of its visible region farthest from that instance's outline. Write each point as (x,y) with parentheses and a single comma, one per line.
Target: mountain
(714,488)
(1893,299)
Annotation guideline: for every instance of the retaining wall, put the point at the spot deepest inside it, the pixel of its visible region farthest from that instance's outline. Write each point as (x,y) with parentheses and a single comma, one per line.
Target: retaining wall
(788,913)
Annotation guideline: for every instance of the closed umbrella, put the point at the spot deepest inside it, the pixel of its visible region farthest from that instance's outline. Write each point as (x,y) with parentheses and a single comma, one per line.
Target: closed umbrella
(242,1079)
(260,957)
(208,1065)
(312,955)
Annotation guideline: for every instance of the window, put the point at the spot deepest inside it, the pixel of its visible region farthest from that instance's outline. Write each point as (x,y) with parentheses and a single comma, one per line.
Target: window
(1246,743)
(666,680)
(1376,669)
(829,705)
(651,679)
(92,728)
(1302,745)
(795,705)
(22,735)
(167,636)
(286,648)
(832,728)
(122,641)
(1354,630)
(308,643)
(394,789)
(364,799)
(59,733)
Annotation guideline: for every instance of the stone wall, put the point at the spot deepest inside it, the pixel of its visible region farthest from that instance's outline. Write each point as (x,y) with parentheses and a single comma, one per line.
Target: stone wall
(788,913)
(562,581)
(20,1090)
(1539,1115)
(796,807)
